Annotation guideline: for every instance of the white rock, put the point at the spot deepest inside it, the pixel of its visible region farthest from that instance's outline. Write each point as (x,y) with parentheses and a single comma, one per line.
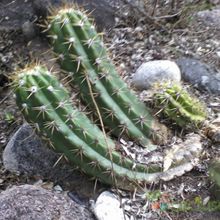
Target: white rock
(155,71)
(107,207)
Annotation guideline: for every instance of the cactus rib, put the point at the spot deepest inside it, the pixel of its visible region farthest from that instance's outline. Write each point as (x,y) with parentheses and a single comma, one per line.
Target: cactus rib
(82,54)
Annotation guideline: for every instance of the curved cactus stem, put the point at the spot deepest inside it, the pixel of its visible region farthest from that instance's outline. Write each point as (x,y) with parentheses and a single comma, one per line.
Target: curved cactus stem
(45,103)
(83,55)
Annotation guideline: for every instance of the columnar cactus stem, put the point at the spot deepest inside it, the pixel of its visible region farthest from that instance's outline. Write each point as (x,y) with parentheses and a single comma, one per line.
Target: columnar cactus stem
(45,104)
(82,55)
(178,105)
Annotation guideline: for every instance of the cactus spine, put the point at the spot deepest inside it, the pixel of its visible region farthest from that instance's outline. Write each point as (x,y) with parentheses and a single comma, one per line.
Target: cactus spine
(46,105)
(83,56)
(178,105)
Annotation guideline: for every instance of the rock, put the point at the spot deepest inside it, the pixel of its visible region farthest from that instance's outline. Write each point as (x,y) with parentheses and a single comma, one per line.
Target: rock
(25,153)
(33,202)
(210,17)
(155,71)
(200,74)
(28,30)
(107,207)
(183,151)
(102,10)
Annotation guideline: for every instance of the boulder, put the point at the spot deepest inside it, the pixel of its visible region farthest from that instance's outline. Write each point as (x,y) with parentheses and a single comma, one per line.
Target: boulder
(200,74)
(25,153)
(210,17)
(28,202)
(152,72)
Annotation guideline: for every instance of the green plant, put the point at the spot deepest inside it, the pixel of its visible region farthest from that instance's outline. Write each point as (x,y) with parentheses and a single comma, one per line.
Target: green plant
(178,105)
(45,104)
(9,117)
(83,56)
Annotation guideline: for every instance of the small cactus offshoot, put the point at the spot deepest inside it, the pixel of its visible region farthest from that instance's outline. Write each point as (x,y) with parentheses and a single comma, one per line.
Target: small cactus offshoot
(83,56)
(177,104)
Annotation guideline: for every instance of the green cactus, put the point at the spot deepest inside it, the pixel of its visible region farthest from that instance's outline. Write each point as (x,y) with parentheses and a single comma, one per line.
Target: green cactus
(83,56)
(178,105)
(46,105)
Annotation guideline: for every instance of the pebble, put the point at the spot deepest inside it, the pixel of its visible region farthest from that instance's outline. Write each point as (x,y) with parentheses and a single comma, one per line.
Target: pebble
(152,72)
(28,30)
(107,207)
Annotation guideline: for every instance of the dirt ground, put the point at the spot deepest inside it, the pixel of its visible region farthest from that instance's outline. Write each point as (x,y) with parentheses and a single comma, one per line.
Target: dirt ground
(170,37)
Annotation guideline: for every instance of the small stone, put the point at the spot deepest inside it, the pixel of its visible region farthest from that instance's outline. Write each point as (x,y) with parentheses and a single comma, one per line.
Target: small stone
(33,202)
(152,72)
(199,74)
(107,207)
(28,30)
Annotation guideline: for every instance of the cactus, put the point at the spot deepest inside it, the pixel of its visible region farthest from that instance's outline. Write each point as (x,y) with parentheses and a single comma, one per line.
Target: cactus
(46,105)
(83,56)
(178,105)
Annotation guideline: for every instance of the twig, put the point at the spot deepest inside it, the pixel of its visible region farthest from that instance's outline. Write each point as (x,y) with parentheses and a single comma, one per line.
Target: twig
(5,97)
(154,9)
(169,16)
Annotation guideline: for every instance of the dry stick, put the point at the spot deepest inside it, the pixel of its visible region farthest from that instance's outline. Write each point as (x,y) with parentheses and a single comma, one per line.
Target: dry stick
(102,126)
(154,9)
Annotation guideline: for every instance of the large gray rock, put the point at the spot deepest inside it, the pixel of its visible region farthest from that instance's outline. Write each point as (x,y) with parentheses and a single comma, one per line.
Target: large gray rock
(25,153)
(29,202)
(155,71)
(210,17)
(200,74)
